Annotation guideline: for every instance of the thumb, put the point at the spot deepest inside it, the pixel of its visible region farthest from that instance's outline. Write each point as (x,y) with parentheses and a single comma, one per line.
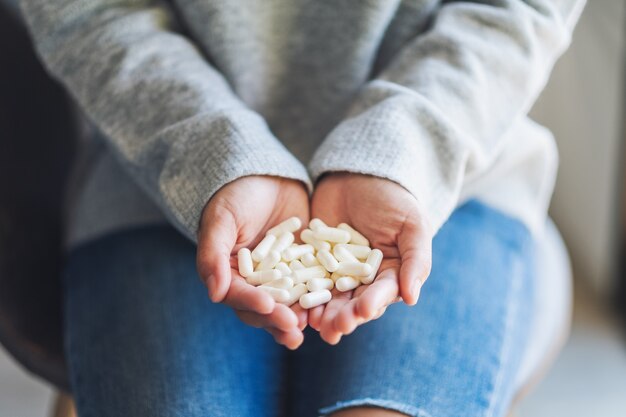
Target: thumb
(216,240)
(415,248)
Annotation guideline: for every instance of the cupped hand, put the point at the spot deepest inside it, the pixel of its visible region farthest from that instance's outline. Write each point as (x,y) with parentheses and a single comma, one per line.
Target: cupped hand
(237,216)
(394,222)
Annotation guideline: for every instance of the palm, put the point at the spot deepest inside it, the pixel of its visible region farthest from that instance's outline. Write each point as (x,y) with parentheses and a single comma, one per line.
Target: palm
(238,216)
(390,218)
(260,205)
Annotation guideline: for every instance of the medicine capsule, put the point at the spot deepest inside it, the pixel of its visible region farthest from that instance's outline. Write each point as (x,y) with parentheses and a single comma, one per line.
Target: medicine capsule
(356,269)
(261,277)
(269,262)
(295,252)
(344,284)
(283,242)
(283,268)
(343,255)
(355,237)
(318,284)
(307,237)
(332,234)
(291,225)
(359,251)
(327,260)
(303,275)
(374,259)
(314,299)
(244,261)
(295,293)
(308,259)
(295,265)
(263,248)
(278,294)
(315,224)
(285,283)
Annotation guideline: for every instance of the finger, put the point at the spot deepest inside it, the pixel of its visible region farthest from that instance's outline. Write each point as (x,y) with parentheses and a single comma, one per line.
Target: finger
(315,317)
(415,247)
(328,332)
(282,318)
(290,339)
(359,290)
(216,239)
(348,318)
(302,315)
(379,294)
(379,313)
(243,296)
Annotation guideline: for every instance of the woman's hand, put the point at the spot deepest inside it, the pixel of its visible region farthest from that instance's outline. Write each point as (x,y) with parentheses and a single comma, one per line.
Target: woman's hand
(237,216)
(393,221)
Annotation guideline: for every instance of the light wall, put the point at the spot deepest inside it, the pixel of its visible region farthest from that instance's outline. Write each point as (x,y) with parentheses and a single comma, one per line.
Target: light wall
(583,106)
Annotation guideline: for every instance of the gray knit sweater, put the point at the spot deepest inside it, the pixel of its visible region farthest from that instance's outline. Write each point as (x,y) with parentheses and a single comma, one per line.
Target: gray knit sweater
(191,94)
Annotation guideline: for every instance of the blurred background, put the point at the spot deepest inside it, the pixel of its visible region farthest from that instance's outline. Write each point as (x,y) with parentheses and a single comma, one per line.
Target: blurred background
(584,105)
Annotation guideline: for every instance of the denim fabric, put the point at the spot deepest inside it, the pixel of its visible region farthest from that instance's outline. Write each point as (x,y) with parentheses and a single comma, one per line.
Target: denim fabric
(143,339)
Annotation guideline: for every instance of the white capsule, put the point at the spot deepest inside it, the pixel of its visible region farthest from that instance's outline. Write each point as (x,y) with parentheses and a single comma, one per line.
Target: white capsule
(315,224)
(292,224)
(244,262)
(331,234)
(269,262)
(303,275)
(296,252)
(262,277)
(278,294)
(318,284)
(283,242)
(284,283)
(263,248)
(308,260)
(373,259)
(355,269)
(359,251)
(327,260)
(307,237)
(344,284)
(335,276)
(344,255)
(295,293)
(314,299)
(295,265)
(283,268)
(355,237)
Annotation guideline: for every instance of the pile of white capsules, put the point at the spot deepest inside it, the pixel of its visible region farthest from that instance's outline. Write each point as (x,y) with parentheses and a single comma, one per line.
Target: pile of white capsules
(331,257)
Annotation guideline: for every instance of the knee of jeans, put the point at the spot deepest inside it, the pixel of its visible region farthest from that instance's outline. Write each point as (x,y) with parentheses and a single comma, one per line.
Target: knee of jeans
(372,407)
(366,412)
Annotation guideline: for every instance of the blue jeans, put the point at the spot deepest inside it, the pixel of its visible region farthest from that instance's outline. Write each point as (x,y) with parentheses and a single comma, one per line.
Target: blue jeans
(143,339)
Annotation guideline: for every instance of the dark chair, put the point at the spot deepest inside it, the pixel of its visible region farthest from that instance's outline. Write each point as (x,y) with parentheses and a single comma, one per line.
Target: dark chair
(37,134)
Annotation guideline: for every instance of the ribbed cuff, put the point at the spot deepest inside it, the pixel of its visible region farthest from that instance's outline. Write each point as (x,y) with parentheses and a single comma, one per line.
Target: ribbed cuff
(217,150)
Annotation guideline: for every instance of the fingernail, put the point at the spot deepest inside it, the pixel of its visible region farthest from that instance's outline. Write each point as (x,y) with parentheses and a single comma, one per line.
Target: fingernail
(415,291)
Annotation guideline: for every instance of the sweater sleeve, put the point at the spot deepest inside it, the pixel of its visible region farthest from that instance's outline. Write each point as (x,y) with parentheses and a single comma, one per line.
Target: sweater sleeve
(437,113)
(170,117)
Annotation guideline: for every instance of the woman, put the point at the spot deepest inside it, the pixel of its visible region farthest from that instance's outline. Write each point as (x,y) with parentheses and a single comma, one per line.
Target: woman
(411,118)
